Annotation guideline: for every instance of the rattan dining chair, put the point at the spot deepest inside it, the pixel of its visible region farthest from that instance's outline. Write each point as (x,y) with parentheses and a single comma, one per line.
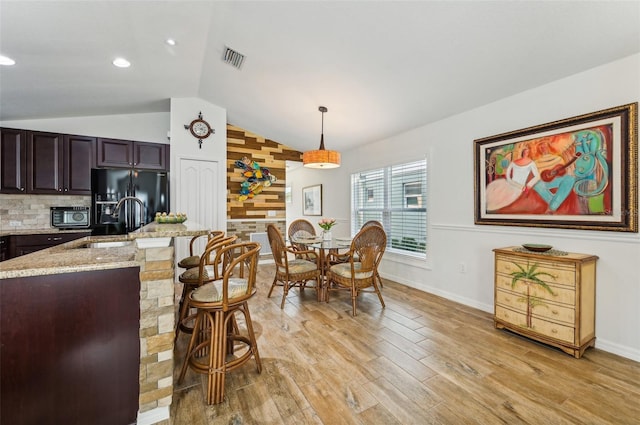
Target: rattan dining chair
(301,229)
(217,344)
(360,271)
(375,223)
(292,272)
(344,257)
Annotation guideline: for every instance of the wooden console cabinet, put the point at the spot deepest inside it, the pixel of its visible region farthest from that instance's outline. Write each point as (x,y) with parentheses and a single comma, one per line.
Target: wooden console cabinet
(545,297)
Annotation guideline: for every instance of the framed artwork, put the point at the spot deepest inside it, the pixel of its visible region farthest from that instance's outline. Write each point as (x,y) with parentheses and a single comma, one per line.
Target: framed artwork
(312,200)
(576,173)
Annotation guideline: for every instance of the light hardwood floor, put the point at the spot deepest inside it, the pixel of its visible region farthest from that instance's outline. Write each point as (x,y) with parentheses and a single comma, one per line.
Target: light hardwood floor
(421,360)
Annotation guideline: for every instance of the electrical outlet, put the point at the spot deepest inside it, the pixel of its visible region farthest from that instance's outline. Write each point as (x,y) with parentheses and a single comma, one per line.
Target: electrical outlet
(271,213)
(462,268)
(15,223)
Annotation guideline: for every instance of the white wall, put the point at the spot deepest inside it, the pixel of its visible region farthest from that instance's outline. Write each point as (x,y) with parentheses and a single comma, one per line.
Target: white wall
(150,127)
(184,145)
(333,197)
(453,237)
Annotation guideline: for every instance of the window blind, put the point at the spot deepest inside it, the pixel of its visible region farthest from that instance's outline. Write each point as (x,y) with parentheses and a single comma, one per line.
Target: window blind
(396,197)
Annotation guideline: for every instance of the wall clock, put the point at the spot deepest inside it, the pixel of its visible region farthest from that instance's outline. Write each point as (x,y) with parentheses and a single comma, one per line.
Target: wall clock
(200,129)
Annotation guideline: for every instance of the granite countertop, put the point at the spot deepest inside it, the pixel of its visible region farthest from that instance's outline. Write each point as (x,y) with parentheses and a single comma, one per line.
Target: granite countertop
(75,256)
(46,231)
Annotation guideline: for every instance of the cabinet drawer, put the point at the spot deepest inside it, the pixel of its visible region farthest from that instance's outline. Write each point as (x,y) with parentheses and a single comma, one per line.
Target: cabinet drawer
(553,330)
(543,310)
(562,273)
(543,327)
(555,313)
(511,300)
(510,316)
(560,294)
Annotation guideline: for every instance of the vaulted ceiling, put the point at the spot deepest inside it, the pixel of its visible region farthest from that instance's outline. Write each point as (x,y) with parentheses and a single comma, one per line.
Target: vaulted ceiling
(379,67)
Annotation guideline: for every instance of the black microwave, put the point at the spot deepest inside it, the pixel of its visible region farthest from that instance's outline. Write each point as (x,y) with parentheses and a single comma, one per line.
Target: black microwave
(70,217)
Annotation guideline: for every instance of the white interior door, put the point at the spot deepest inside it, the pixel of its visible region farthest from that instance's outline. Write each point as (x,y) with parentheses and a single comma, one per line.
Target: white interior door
(196,196)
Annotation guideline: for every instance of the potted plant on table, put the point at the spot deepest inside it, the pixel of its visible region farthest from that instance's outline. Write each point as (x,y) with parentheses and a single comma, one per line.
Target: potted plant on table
(326,224)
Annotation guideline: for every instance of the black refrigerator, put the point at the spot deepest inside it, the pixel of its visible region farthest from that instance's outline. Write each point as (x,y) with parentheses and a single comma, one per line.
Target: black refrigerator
(108,186)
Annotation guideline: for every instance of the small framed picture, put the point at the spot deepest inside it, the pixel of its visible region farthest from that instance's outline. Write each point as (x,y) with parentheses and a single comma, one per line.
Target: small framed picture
(312,200)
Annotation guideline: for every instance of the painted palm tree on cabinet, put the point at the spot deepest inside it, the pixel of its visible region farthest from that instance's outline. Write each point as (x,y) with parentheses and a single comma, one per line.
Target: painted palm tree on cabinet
(531,276)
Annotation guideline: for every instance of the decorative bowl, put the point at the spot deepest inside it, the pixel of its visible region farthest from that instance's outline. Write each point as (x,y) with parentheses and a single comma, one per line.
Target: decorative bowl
(170,219)
(536,247)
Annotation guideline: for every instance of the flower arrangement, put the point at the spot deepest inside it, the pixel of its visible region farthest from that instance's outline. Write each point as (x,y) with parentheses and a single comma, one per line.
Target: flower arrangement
(327,223)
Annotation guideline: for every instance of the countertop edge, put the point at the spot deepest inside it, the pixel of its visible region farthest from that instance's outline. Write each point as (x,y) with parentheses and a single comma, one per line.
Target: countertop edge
(70,257)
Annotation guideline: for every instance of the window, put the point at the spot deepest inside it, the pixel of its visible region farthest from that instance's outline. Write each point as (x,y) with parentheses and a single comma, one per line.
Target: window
(413,194)
(396,197)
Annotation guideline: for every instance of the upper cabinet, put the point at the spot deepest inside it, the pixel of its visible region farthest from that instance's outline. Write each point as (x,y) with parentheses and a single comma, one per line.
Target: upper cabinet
(80,157)
(58,163)
(13,160)
(44,160)
(43,163)
(38,162)
(127,154)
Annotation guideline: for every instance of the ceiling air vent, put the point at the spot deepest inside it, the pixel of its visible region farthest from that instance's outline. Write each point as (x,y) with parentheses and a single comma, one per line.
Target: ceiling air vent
(232,57)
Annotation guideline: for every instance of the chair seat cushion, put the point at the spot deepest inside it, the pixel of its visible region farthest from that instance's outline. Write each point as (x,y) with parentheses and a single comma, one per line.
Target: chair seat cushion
(188,262)
(299,266)
(193,273)
(344,270)
(212,292)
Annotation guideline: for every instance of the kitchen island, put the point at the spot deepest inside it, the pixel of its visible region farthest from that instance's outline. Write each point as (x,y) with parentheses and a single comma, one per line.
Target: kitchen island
(78,318)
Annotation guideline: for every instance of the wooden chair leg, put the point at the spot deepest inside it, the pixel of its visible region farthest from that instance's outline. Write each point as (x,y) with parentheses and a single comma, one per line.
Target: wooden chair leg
(354,298)
(285,291)
(252,336)
(217,350)
(190,348)
(273,285)
(184,310)
(375,287)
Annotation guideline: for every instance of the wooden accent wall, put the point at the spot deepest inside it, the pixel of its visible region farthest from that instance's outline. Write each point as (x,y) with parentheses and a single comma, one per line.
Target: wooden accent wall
(267,153)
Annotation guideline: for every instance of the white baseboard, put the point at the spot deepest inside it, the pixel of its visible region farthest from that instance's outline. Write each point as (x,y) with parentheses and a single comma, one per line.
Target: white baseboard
(604,345)
(620,350)
(154,416)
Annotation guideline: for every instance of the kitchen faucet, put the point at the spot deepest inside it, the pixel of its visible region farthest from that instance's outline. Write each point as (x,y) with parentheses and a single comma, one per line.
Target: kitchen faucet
(116,210)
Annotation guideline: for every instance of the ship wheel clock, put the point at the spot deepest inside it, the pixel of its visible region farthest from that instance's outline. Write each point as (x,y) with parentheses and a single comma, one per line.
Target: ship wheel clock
(200,129)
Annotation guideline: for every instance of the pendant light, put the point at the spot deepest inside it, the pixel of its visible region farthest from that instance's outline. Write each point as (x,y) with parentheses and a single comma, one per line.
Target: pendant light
(321,158)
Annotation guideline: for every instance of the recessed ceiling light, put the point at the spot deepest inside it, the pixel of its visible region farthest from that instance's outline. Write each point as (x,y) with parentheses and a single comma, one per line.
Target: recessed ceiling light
(4,60)
(121,63)
(170,42)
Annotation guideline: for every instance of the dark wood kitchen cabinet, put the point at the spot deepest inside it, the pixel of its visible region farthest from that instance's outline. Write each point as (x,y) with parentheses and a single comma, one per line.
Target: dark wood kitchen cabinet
(45,163)
(80,158)
(25,244)
(4,248)
(70,351)
(13,160)
(58,163)
(113,153)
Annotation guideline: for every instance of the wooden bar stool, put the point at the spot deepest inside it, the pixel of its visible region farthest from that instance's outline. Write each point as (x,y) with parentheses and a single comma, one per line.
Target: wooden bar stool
(216,338)
(193,260)
(197,276)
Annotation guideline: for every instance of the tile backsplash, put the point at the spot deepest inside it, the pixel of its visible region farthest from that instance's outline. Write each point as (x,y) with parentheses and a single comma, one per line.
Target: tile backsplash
(26,212)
